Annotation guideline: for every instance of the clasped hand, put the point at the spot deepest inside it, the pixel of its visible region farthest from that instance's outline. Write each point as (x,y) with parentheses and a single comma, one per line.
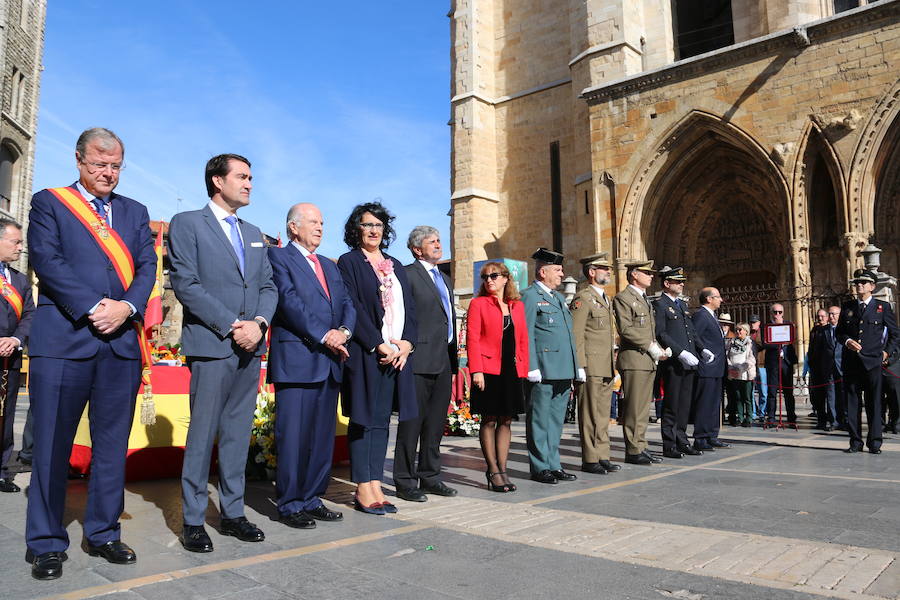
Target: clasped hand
(336,341)
(395,353)
(246,334)
(8,345)
(109,315)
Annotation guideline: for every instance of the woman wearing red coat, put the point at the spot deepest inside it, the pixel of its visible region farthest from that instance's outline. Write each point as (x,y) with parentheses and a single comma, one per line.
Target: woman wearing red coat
(498,360)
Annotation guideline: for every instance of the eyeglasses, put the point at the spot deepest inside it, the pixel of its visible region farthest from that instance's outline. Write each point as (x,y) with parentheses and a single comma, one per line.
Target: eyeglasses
(777,312)
(116,167)
(371,226)
(492,276)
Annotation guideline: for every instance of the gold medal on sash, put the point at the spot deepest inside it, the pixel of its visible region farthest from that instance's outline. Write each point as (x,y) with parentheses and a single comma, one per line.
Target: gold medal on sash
(6,291)
(101,230)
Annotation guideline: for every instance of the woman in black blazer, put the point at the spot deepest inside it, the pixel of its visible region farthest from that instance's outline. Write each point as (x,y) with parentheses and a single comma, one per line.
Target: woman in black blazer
(377,377)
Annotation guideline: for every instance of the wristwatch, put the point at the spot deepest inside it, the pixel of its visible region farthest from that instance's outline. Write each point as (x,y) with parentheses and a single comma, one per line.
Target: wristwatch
(346,332)
(263,326)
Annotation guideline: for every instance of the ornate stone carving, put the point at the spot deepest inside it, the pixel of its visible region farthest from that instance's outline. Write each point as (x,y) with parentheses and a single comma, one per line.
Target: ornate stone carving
(780,152)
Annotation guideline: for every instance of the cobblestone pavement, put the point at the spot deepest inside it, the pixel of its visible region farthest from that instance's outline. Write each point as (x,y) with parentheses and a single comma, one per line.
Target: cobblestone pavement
(781,514)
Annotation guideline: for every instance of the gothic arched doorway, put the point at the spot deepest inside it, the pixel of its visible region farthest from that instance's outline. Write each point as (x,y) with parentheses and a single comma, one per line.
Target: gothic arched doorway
(887,198)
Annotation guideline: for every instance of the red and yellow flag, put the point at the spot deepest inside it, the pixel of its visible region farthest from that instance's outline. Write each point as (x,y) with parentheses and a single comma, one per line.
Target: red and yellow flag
(154,313)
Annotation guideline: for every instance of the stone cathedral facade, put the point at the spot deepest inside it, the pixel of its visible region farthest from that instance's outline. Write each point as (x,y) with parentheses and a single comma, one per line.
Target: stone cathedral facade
(754,142)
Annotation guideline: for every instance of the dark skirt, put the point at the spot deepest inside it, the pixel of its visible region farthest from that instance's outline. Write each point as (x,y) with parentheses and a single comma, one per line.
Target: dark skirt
(502,395)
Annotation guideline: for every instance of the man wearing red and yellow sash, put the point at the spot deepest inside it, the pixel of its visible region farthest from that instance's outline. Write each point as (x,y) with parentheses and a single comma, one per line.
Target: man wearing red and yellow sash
(93,253)
(16,310)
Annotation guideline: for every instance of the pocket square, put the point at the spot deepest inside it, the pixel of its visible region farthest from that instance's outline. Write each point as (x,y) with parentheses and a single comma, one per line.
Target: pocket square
(256,244)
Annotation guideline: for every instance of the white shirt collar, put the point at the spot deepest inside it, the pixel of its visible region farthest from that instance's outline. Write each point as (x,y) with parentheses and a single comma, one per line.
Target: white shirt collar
(426,265)
(89,196)
(671,297)
(220,213)
(543,286)
(711,311)
(302,250)
(637,290)
(600,290)
(866,301)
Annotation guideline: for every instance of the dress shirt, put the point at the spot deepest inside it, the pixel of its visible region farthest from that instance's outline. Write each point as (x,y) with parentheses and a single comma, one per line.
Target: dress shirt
(602,293)
(545,288)
(430,268)
(312,265)
(222,214)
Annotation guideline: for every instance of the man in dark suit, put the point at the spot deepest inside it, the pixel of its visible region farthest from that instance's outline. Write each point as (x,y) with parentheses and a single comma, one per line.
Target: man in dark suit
(675,330)
(16,310)
(434,364)
(221,274)
(313,323)
(868,331)
(710,372)
(824,358)
(780,360)
(890,387)
(84,347)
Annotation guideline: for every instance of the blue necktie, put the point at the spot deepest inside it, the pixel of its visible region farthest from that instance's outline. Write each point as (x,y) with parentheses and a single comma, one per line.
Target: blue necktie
(236,242)
(102,210)
(445,299)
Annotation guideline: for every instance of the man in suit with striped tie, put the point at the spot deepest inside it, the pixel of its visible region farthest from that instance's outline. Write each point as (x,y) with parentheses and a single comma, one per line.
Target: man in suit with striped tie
(220,273)
(314,322)
(16,310)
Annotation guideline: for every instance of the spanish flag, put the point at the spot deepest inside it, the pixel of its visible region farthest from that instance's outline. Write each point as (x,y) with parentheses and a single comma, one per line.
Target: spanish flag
(153,315)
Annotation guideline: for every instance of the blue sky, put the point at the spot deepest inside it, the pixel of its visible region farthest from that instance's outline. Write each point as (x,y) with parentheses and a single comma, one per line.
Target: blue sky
(333,104)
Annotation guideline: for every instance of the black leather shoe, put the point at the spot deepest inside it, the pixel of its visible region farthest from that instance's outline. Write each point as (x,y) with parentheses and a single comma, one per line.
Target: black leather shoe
(638,459)
(242,529)
(439,489)
(48,565)
(298,520)
(116,552)
(7,485)
(323,513)
(690,451)
(653,459)
(703,447)
(195,539)
(875,450)
(595,468)
(717,444)
(544,476)
(609,466)
(852,450)
(828,428)
(563,476)
(411,494)
(672,453)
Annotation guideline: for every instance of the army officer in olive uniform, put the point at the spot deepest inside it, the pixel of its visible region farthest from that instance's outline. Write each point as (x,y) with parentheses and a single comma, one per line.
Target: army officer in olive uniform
(638,353)
(592,322)
(552,366)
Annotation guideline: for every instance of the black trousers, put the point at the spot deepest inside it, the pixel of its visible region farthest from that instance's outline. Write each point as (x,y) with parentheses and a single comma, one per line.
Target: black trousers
(678,388)
(787,389)
(864,389)
(890,387)
(424,432)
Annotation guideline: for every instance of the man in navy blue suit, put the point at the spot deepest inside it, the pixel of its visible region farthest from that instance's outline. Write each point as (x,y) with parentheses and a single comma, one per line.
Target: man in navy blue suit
(710,372)
(16,310)
(868,331)
(84,347)
(312,325)
(824,358)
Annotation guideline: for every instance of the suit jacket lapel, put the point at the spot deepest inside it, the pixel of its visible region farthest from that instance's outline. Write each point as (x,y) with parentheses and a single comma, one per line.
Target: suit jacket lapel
(218,233)
(426,277)
(306,269)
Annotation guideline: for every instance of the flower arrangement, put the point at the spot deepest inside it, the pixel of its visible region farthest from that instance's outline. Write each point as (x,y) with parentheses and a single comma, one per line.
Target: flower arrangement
(261,459)
(460,420)
(166,353)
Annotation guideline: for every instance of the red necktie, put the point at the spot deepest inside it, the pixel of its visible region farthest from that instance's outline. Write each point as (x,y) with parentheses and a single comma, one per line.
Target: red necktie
(320,274)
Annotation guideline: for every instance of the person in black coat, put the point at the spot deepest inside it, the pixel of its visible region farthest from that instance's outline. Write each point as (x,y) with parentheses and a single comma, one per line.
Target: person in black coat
(710,372)
(378,376)
(16,311)
(824,358)
(780,361)
(675,330)
(868,331)
(890,386)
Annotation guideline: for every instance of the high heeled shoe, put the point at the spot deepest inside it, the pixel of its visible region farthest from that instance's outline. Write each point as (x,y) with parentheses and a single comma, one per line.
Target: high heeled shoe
(509,484)
(503,488)
(376,508)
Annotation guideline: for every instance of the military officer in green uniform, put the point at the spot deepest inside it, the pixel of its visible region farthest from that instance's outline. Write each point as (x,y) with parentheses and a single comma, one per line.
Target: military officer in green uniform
(638,353)
(592,324)
(553,365)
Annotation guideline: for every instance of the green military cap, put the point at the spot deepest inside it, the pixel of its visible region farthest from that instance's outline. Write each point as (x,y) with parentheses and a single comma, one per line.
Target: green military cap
(864,276)
(597,260)
(548,256)
(644,265)
(673,273)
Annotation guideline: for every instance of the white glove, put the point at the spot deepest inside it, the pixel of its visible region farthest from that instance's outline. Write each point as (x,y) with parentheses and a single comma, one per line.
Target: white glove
(582,376)
(534,376)
(655,351)
(708,356)
(687,359)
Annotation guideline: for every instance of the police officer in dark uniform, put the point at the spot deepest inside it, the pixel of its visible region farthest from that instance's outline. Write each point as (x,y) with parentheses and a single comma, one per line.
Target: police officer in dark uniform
(675,330)
(868,331)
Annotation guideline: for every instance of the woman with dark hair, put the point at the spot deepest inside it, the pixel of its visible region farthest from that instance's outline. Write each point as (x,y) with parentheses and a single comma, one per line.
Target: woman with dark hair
(376,377)
(497,337)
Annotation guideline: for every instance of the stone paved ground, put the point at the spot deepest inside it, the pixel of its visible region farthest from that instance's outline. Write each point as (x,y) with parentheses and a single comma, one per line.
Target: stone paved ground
(782,514)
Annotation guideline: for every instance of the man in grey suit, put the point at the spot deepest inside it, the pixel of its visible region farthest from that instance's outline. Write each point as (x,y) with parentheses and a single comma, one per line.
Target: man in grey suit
(221,275)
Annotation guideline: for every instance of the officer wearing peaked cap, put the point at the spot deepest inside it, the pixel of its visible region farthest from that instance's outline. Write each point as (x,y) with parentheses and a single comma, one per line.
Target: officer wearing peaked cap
(592,322)
(553,365)
(675,330)
(638,353)
(868,331)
